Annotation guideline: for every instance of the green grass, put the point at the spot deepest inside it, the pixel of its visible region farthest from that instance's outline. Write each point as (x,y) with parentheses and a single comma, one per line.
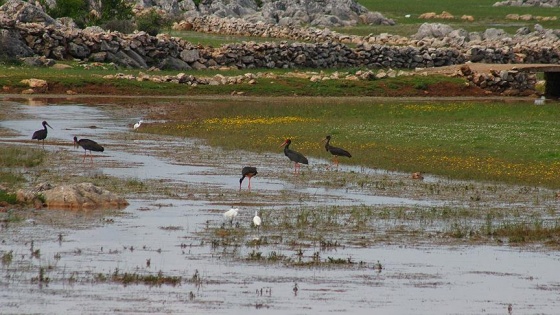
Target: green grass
(506,142)
(14,156)
(216,40)
(92,82)
(484,13)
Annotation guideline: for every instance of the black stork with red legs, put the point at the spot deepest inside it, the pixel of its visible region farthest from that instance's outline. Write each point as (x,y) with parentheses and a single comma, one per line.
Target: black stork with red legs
(90,145)
(294,156)
(336,152)
(42,133)
(247,171)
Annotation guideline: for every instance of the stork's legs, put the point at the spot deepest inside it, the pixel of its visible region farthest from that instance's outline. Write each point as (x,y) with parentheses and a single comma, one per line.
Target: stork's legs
(90,156)
(335,162)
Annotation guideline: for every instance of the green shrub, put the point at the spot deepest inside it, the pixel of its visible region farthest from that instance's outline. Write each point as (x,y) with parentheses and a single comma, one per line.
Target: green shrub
(77,10)
(151,22)
(8,197)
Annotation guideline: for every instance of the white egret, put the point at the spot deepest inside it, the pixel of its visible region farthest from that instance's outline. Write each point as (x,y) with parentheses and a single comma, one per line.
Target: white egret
(540,101)
(231,214)
(257,220)
(137,125)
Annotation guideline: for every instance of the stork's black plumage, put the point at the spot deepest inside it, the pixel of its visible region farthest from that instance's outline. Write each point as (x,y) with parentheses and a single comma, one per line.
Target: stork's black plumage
(88,144)
(294,156)
(247,171)
(336,152)
(42,133)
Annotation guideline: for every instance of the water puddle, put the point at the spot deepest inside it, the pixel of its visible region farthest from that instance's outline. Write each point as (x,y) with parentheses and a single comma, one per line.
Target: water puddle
(161,236)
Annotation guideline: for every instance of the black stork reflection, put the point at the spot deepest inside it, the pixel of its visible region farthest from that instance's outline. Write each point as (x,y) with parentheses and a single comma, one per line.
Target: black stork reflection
(42,133)
(336,152)
(90,145)
(294,156)
(247,171)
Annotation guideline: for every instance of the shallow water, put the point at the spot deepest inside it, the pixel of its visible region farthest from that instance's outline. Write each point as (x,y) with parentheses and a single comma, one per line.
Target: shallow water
(419,279)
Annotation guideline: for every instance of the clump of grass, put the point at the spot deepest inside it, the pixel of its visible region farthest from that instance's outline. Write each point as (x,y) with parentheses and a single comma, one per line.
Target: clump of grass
(136,278)
(13,156)
(255,255)
(7,257)
(8,197)
(11,216)
(523,232)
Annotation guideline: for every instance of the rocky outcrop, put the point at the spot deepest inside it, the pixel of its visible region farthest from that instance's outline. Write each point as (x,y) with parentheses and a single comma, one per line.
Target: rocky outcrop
(83,196)
(505,82)
(324,13)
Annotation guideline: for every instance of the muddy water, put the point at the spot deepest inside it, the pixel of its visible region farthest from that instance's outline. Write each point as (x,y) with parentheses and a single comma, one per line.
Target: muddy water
(160,234)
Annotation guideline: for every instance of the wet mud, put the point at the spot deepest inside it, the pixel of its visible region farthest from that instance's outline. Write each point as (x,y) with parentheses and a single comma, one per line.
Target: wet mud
(377,241)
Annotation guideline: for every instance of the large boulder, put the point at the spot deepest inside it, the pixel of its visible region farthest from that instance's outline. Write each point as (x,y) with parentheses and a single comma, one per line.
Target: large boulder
(24,12)
(432,30)
(12,45)
(83,196)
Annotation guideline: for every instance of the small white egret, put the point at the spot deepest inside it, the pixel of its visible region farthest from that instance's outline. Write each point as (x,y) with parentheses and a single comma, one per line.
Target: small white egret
(540,101)
(407,16)
(231,214)
(137,125)
(257,220)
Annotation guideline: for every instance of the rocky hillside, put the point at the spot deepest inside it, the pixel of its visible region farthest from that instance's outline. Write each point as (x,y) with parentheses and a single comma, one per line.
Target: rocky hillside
(324,13)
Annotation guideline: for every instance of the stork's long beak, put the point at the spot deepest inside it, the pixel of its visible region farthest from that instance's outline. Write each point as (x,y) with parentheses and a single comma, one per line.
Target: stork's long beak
(283,144)
(49,126)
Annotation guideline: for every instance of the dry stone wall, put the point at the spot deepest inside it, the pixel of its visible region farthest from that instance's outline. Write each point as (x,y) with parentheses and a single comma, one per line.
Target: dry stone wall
(434,45)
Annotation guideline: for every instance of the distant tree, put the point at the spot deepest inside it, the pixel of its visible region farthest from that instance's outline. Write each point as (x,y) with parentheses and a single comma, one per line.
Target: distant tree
(151,22)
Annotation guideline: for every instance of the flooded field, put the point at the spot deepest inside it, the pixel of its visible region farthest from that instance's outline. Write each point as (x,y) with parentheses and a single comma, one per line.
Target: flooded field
(375,241)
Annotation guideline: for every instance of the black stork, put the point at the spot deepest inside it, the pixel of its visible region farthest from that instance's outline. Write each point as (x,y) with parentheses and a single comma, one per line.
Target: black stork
(247,171)
(336,152)
(90,145)
(294,156)
(42,133)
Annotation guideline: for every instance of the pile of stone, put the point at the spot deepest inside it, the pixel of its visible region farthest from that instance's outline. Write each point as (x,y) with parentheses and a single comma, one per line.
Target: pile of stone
(432,15)
(529,17)
(252,78)
(505,82)
(528,3)
(240,27)
(83,196)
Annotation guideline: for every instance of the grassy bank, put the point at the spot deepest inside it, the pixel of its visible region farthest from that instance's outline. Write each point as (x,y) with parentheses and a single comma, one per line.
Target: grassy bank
(506,142)
(12,160)
(278,83)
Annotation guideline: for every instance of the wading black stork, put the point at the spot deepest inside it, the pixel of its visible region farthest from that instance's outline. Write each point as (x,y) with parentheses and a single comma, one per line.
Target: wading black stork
(336,152)
(247,171)
(294,156)
(90,145)
(41,134)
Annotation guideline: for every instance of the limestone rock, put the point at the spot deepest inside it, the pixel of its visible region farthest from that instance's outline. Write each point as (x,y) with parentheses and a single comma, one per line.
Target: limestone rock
(83,196)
